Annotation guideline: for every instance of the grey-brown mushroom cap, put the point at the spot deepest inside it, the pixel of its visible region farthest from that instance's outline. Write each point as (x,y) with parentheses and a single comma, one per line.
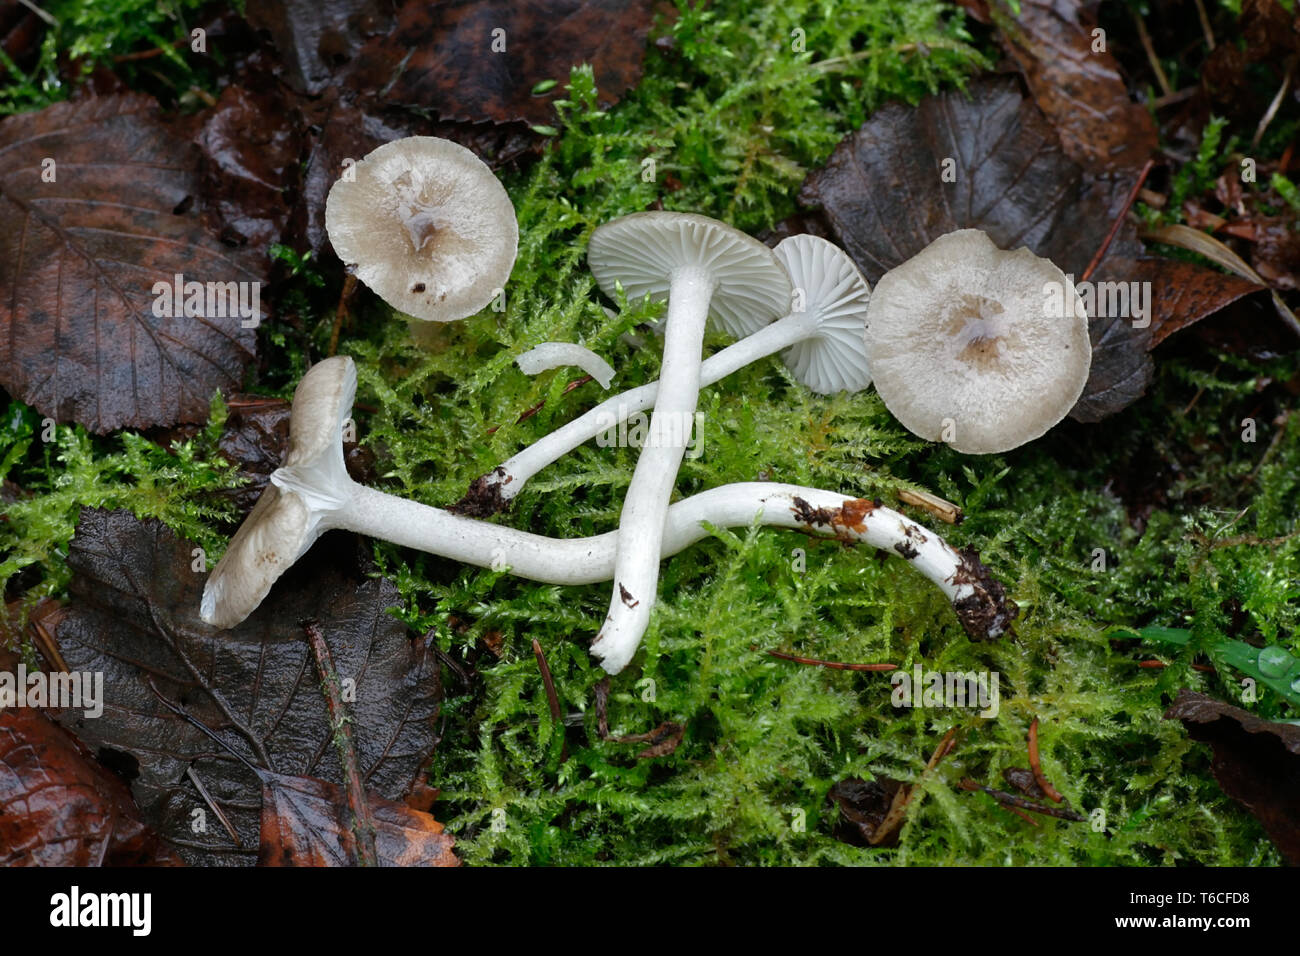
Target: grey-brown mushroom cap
(827,283)
(426,225)
(287,520)
(966,348)
(642,250)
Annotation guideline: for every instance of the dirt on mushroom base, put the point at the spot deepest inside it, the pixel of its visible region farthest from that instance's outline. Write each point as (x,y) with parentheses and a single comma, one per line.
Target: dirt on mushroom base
(484,498)
(985,614)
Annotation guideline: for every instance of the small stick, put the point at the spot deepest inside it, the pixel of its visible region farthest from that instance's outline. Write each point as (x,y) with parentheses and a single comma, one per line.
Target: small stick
(1205,24)
(213,805)
(1044,784)
(1114,226)
(1021,813)
(941,508)
(1151,55)
(1204,668)
(903,795)
(1011,800)
(529,413)
(349,286)
(557,715)
(1275,104)
(833,665)
(341,724)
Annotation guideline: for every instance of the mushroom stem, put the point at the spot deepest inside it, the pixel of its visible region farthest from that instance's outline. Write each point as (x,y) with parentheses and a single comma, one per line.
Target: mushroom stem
(645,505)
(494,491)
(978,599)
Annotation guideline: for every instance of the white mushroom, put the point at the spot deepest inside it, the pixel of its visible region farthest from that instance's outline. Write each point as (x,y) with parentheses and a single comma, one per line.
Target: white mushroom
(550,355)
(964,348)
(823,336)
(427,225)
(312,493)
(699,265)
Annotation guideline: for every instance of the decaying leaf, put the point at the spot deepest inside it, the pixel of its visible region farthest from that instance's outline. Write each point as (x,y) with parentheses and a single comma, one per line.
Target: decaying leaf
(1076,82)
(990,160)
(1256,762)
(480,59)
(134,615)
(58,805)
(863,806)
(301,826)
(315,38)
(96,196)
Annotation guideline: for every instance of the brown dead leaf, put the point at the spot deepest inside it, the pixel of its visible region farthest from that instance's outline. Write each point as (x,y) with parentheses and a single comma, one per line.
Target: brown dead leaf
(480,59)
(79,258)
(58,805)
(134,616)
(316,38)
(863,807)
(1256,762)
(303,824)
(1077,85)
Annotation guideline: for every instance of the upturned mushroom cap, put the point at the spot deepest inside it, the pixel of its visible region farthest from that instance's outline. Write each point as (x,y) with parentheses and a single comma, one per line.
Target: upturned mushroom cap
(829,285)
(965,349)
(642,250)
(290,515)
(427,226)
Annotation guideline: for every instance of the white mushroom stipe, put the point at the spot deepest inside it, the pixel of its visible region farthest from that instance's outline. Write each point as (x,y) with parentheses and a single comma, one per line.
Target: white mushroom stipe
(966,348)
(551,355)
(823,340)
(424,223)
(699,264)
(312,493)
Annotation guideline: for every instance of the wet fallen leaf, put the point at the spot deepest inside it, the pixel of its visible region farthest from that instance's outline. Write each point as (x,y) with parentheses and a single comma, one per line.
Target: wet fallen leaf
(250,160)
(79,258)
(1076,85)
(134,616)
(316,38)
(58,805)
(885,197)
(481,59)
(863,806)
(302,825)
(1256,762)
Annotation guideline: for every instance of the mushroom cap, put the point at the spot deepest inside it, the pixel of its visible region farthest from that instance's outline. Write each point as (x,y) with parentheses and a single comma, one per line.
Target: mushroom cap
(962,336)
(832,288)
(642,250)
(427,225)
(287,518)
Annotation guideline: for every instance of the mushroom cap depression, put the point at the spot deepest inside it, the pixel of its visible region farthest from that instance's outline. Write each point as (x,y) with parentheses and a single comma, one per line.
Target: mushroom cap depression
(835,359)
(426,225)
(641,251)
(287,518)
(962,336)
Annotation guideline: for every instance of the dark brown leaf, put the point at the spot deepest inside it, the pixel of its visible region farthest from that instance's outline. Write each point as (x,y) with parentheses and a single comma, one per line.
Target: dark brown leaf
(1257,763)
(58,806)
(79,258)
(441,56)
(863,806)
(1185,293)
(882,192)
(303,825)
(316,38)
(1079,89)
(250,151)
(134,616)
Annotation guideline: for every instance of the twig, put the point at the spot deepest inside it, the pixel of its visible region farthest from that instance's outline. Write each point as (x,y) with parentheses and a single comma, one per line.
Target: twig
(1040,778)
(1114,226)
(213,805)
(833,665)
(349,286)
(1155,664)
(903,795)
(49,18)
(1011,800)
(941,508)
(1275,105)
(1151,54)
(1205,24)
(341,723)
(557,715)
(529,413)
